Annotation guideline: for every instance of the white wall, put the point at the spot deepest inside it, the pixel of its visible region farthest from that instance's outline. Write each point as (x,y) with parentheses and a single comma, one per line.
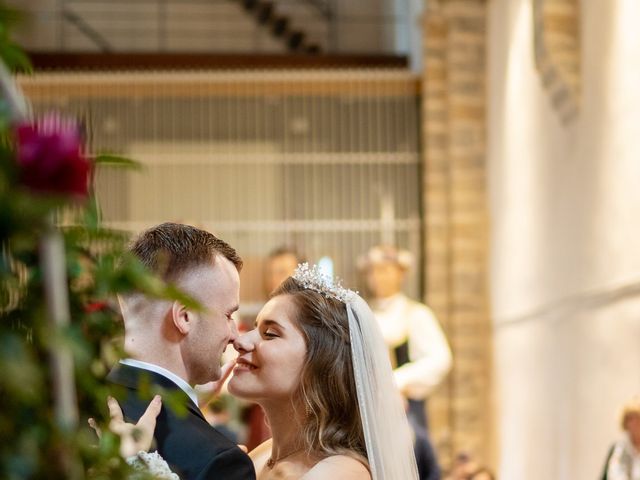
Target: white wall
(565,268)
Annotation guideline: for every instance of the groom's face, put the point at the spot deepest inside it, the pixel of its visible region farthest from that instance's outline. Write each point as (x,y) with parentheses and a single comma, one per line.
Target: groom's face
(217,288)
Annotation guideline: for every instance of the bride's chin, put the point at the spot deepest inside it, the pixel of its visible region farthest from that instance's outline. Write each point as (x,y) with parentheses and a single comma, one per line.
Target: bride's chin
(235,388)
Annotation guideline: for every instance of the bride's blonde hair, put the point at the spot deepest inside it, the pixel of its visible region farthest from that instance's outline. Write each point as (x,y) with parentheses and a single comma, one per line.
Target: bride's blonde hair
(327,390)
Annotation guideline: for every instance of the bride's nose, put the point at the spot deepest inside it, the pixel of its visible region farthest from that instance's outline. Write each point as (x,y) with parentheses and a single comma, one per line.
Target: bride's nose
(244,342)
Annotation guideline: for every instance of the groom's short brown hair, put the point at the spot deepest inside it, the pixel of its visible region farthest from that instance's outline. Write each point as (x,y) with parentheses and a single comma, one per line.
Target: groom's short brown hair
(169,249)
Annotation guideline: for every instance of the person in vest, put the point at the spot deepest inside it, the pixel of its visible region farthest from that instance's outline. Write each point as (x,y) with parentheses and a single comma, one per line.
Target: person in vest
(418,348)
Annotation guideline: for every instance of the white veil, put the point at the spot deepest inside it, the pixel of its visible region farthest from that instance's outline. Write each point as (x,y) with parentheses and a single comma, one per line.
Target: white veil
(387,433)
(388,437)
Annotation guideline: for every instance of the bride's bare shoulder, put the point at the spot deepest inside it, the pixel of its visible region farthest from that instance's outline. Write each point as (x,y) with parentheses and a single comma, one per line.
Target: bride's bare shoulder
(338,466)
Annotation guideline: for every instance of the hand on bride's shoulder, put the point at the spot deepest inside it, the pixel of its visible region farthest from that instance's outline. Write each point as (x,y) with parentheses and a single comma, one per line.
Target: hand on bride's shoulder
(338,466)
(133,438)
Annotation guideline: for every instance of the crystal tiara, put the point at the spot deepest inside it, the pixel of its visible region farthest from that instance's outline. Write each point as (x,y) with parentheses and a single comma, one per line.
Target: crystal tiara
(314,279)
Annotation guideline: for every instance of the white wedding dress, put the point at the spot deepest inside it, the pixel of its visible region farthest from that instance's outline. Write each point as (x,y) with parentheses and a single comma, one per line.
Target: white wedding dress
(151,463)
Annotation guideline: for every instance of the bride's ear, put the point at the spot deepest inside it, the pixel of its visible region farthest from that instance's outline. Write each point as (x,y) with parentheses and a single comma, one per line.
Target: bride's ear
(182,317)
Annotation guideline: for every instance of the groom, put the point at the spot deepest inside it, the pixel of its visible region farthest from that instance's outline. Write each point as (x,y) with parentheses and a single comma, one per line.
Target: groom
(172,347)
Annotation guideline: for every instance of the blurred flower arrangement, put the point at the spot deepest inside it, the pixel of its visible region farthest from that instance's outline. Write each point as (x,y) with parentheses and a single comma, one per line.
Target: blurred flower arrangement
(59,272)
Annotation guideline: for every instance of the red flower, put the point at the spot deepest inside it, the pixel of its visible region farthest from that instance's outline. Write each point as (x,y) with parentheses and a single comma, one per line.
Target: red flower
(96,307)
(50,157)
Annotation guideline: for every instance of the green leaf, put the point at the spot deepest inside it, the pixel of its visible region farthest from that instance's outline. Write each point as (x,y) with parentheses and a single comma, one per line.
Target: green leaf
(111,160)
(15,58)
(171,292)
(92,213)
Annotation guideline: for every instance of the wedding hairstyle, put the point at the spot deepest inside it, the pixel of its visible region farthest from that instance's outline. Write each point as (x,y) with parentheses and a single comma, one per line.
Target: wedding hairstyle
(327,386)
(170,249)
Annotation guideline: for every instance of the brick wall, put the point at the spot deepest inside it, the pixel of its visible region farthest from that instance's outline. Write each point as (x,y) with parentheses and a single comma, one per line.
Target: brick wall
(456,284)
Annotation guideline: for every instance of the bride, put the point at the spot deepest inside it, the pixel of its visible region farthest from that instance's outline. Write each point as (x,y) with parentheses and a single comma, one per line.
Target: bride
(317,365)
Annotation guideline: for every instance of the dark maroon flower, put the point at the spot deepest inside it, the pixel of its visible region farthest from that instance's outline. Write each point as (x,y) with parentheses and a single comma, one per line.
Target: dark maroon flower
(50,157)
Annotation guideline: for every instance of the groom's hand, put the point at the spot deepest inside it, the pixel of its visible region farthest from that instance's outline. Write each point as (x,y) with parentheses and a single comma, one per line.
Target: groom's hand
(209,391)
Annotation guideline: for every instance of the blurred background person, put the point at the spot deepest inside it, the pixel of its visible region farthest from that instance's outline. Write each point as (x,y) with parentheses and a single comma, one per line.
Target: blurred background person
(279,265)
(624,458)
(466,468)
(418,348)
(428,467)
(218,415)
(482,473)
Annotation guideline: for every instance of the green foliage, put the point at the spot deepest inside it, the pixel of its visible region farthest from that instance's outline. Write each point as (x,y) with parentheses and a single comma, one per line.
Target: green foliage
(10,52)
(97,270)
(108,159)
(34,444)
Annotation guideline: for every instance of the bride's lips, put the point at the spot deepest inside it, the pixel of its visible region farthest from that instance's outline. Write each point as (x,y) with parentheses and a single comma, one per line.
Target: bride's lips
(244,365)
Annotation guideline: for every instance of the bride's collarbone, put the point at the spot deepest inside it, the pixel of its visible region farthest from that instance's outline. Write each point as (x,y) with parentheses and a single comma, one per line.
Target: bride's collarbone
(294,467)
(338,466)
(304,468)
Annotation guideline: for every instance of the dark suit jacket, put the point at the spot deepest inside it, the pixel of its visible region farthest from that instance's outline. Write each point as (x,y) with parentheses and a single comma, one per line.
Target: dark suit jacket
(192,448)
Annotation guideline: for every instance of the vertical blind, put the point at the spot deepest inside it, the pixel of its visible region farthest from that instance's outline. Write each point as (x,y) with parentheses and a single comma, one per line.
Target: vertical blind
(326,161)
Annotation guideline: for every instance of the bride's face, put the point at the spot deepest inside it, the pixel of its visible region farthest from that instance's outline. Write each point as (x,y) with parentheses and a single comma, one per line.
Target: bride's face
(271,355)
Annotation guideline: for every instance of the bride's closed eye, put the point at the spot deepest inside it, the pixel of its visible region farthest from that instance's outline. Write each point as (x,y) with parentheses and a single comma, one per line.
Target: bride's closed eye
(269,329)
(270,334)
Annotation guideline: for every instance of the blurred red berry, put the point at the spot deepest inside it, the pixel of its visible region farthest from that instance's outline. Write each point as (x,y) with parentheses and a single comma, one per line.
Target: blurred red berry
(95,307)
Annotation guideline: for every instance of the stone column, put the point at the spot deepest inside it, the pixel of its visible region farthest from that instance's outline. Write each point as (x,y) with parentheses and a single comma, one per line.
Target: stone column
(456,222)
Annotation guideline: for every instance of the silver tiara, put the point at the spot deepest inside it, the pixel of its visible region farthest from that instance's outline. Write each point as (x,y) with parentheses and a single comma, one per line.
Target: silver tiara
(314,279)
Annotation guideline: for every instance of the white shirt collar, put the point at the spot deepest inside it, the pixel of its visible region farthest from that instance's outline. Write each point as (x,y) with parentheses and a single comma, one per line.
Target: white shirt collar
(388,302)
(393,319)
(184,386)
(630,446)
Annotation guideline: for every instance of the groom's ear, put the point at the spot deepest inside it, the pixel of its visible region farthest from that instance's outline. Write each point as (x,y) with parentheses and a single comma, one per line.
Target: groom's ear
(182,317)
